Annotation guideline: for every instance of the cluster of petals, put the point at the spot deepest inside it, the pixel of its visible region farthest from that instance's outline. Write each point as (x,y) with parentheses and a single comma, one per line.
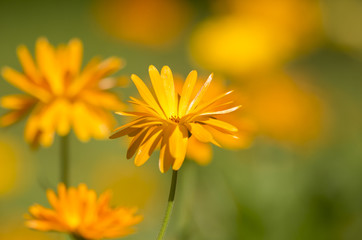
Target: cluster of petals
(167,118)
(58,95)
(79,212)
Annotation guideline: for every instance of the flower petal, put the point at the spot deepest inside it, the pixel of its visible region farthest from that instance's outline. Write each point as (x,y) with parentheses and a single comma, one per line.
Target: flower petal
(202,134)
(220,124)
(136,142)
(166,159)
(75,48)
(178,145)
(158,87)
(28,64)
(147,95)
(169,88)
(146,149)
(47,63)
(23,83)
(200,95)
(17,101)
(187,90)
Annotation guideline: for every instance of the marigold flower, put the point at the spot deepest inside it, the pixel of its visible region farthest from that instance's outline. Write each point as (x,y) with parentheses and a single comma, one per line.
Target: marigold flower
(60,95)
(77,211)
(170,119)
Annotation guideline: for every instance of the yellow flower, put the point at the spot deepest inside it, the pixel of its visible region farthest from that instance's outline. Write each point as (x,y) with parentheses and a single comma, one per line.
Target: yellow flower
(170,119)
(77,211)
(60,95)
(256,35)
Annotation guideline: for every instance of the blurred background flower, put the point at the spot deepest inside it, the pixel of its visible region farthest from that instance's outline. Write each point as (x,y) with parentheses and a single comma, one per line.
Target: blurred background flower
(254,36)
(295,66)
(153,24)
(59,95)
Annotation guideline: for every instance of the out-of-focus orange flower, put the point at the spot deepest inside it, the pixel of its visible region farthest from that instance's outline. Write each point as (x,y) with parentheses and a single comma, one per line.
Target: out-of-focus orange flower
(256,35)
(59,95)
(79,212)
(151,23)
(284,110)
(169,119)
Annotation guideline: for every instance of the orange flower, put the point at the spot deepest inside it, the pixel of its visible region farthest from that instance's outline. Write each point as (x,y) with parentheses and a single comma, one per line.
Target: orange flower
(77,211)
(60,95)
(169,119)
(153,23)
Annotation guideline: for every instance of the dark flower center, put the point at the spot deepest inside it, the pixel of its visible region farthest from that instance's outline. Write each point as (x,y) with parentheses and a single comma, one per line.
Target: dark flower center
(175,119)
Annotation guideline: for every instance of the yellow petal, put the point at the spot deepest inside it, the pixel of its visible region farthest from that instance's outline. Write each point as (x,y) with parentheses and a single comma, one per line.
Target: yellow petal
(28,64)
(17,101)
(145,107)
(225,111)
(47,63)
(63,117)
(105,68)
(178,145)
(98,121)
(102,99)
(32,126)
(169,86)
(147,95)
(80,120)
(84,78)
(11,118)
(52,198)
(187,90)
(159,89)
(62,59)
(123,132)
(147,148)
(166,159)
(207,104)
(220,124)
(46,138)
(200,95)
(202,134)
(136,142)
(23,83)
(75,48)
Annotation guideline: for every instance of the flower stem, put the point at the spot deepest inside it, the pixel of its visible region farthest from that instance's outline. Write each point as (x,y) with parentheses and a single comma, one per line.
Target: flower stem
(170,204)
(64,159)
(77,237)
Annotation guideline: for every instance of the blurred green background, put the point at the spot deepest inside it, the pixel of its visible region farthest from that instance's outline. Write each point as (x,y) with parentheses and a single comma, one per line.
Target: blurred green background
(298,64)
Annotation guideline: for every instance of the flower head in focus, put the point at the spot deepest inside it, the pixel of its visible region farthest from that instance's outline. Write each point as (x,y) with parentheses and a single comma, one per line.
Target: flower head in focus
(169,119)
(78,211)
(59,95)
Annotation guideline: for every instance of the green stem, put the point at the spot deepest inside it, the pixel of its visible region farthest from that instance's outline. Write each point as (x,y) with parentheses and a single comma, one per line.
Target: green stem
(170,204)
(64,159)
(77,237)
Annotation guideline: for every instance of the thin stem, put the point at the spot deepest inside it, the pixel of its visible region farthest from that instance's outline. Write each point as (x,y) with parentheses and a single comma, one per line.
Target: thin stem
(170,204)
(77,237)
(64,159)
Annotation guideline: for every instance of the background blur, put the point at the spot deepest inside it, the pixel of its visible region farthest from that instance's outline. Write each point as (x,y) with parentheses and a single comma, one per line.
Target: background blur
(297,65)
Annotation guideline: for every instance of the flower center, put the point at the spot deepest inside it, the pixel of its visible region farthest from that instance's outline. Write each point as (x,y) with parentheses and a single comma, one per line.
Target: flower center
(175,119)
